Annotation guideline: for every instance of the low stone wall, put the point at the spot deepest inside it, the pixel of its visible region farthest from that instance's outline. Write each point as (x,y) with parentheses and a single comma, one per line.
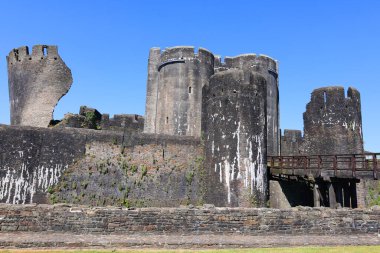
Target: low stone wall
(187,220)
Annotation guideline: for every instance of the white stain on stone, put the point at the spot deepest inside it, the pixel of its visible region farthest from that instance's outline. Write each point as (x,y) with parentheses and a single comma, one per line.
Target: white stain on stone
(18,186)
(244,165)
(228,177)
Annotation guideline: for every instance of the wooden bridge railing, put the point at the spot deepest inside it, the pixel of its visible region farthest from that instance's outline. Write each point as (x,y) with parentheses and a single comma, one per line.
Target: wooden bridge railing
(353,166)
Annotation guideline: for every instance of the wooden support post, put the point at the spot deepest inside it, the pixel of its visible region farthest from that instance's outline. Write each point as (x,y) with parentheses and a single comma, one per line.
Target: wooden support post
(338,193)
(293,165)
(346,195)
(353,193)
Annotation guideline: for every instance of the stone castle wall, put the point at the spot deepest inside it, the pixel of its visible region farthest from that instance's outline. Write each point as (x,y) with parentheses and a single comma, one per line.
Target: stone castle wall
(291,142)
(69,165)
(201,220)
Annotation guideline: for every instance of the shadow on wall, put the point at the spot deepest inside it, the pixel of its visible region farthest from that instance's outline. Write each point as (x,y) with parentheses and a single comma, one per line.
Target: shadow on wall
(290,193)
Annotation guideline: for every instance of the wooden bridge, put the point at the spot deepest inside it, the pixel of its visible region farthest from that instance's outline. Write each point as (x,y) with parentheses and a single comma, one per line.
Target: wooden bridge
(357,166)
(333,178)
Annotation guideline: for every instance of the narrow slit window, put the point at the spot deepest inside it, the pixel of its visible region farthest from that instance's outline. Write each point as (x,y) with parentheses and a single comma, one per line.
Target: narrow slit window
(189,89)
(44,51)
(167,120)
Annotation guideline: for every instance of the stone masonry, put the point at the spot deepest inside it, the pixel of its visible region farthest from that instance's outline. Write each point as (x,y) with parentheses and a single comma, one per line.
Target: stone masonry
(234,127)
(333,122)
(210,124)
(174,90)
(190,221)
(37,82)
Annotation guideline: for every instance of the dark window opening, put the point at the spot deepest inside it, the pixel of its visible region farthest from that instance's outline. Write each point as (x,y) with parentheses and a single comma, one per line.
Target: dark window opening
(167,120)
(190,89)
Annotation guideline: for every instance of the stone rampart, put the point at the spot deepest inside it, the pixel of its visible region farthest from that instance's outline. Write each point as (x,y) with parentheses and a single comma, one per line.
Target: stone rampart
(82,166)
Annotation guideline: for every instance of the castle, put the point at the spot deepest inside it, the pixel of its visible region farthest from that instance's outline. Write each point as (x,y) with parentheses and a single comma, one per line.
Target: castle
(210,126)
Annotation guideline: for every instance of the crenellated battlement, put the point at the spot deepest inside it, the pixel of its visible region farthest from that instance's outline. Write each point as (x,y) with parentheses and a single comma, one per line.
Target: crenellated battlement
(248,61)
(181,54)
(334,98)
(39,52)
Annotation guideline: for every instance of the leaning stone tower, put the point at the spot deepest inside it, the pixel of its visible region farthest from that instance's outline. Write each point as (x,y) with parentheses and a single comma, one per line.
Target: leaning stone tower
(267,67)
(36,83)
(174,90)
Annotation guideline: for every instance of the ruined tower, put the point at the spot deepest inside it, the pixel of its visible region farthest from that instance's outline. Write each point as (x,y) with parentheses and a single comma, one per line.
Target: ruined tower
(174,90)
(267,67)
(333,122)
(36,83)
(234,128)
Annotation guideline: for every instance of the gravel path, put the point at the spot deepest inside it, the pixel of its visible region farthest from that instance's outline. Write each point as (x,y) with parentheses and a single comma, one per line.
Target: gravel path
(67,240)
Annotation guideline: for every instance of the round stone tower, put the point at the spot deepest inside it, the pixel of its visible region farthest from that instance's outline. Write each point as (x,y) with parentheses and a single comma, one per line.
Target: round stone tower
(234,128)
(267,67)
(174,91)
(333,122)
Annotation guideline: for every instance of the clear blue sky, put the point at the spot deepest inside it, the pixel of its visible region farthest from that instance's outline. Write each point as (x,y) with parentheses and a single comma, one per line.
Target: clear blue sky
(106,45)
